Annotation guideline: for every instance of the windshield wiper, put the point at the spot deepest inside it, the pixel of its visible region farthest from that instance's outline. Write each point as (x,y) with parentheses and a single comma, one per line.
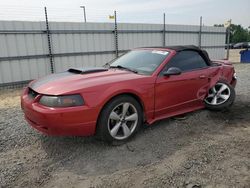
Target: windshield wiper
(125,68)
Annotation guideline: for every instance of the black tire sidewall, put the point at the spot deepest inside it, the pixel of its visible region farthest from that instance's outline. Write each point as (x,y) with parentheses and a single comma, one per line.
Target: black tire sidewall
(102,131)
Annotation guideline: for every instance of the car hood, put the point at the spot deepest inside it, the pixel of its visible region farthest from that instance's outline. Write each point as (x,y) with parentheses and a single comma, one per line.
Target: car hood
(68,82)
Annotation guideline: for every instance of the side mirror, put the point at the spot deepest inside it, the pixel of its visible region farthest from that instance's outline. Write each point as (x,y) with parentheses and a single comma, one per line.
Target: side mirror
(172,71)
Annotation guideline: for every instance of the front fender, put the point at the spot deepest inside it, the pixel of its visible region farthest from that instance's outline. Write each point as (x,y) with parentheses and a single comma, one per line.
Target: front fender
(144,92)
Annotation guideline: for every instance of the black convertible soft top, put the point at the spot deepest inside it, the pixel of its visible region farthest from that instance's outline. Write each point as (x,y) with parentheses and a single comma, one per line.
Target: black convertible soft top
(177,48)
(203,53)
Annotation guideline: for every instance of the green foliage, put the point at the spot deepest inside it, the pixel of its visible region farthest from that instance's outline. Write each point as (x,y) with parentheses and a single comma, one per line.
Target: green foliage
(248,34)
(237,33)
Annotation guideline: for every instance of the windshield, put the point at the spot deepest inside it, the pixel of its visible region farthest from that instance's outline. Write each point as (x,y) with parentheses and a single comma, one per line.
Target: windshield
(141,61)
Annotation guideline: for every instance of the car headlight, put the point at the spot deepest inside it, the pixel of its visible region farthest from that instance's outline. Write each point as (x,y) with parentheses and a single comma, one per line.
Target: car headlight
(61,101)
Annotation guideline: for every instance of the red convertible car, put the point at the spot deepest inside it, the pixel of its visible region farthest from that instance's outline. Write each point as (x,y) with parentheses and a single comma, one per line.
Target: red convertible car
(142,86)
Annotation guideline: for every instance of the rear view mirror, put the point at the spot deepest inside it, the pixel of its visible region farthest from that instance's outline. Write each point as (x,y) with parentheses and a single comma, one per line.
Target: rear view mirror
(172,71)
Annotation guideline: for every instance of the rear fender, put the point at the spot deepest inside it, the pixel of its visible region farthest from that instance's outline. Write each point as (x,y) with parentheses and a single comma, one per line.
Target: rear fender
(224,73)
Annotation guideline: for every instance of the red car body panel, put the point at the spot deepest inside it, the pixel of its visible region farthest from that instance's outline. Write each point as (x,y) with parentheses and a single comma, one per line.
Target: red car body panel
(160,96)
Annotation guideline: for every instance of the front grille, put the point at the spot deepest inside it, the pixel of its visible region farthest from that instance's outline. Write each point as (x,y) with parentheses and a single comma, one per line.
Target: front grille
(32,94)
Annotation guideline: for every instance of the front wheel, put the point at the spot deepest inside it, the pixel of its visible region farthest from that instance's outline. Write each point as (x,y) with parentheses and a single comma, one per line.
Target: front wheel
(220,97)
(119,120)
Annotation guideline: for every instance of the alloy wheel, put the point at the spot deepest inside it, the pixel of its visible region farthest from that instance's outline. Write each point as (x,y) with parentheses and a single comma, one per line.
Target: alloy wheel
(218,94)
(122,121)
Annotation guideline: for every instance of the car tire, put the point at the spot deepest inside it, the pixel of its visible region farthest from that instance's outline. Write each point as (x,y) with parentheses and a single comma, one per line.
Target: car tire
(119,120)
(220,97)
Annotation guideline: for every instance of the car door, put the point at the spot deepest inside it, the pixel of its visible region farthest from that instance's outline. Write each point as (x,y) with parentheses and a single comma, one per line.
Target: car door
(177,94)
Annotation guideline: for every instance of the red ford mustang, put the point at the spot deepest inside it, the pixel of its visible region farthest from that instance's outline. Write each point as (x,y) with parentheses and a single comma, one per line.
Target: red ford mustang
(142,86)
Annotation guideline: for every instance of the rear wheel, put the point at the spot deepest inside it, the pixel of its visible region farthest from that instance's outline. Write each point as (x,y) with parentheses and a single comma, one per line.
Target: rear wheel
(119,120)
(220,97)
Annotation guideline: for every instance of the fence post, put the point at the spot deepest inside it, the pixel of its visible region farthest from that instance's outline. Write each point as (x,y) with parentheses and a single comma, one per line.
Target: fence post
(200,31)
(49,41)
(228,41)
(164,30)
(116,36)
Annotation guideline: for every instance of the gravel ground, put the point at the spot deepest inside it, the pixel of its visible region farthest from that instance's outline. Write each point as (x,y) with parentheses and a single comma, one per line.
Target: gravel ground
(207,149)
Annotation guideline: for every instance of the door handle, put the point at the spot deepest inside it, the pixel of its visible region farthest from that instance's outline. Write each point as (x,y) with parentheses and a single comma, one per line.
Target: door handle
(202,76)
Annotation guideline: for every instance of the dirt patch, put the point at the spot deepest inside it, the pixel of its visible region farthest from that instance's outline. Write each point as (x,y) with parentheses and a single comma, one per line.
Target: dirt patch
(207,149)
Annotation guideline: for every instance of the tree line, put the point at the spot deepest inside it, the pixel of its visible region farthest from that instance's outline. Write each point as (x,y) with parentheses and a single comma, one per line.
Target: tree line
(237,33)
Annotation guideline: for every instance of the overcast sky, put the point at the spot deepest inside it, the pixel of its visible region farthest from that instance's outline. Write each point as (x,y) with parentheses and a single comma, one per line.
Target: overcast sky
(132,11)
